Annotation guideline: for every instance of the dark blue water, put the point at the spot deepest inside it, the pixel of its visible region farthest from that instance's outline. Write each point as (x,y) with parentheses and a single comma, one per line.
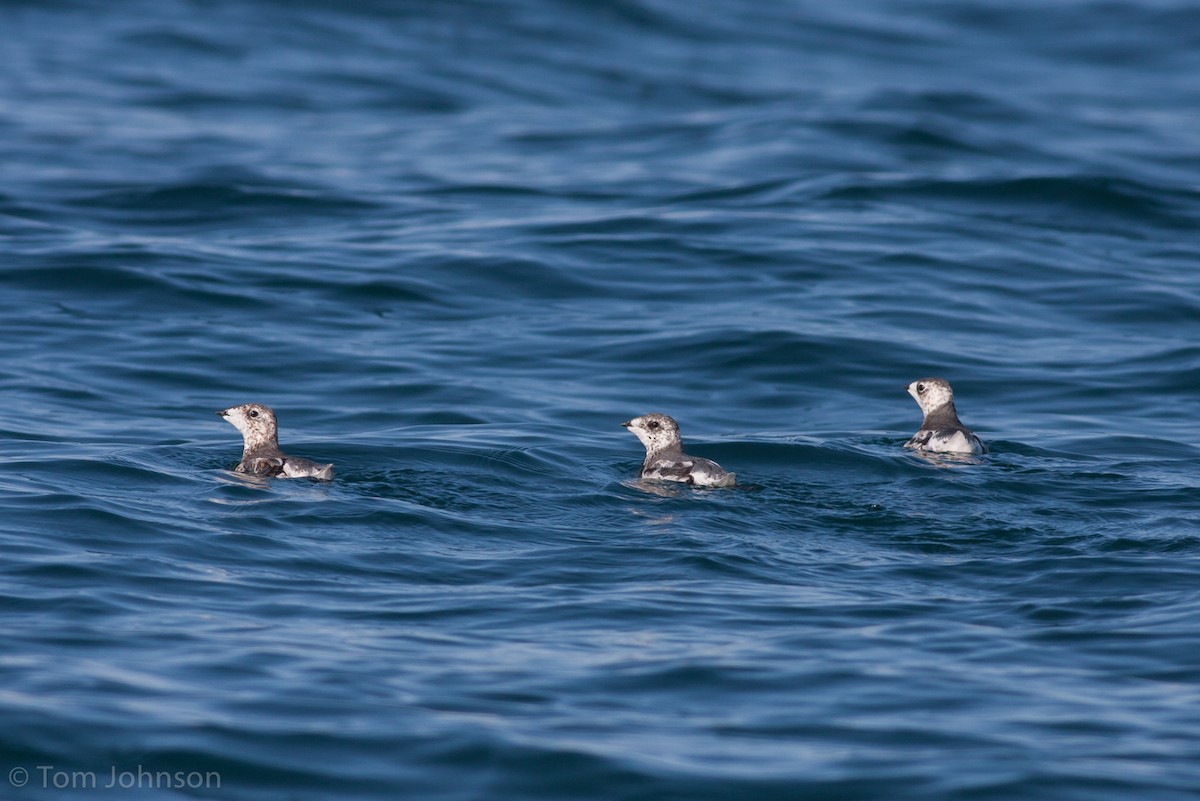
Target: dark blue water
(454,245)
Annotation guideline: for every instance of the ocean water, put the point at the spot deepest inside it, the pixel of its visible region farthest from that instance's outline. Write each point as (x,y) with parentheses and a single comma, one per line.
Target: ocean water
(454,245)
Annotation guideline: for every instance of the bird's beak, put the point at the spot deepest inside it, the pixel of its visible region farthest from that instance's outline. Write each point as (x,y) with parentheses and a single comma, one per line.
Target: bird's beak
(223,412)
(627,423)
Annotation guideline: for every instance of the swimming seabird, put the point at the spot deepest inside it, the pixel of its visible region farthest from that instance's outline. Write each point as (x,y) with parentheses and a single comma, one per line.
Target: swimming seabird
(665,459)
(260,452)
(941,431)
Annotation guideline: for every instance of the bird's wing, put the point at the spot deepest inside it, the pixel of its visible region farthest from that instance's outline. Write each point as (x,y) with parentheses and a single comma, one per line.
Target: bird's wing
(262,466)
(919,439)
(949,440)
(669,470)
(295,467)
(707,473)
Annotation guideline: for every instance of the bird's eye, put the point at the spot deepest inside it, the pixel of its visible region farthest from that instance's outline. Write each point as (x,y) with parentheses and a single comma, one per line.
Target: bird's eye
(652,424)
(920,389)
(254,412)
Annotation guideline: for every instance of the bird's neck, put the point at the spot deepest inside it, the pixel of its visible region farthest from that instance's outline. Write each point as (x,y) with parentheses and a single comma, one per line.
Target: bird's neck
(944,416)
(256,444)
(664,452)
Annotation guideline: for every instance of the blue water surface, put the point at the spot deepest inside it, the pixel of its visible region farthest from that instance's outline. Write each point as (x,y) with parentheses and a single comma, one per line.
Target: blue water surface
(454,244)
